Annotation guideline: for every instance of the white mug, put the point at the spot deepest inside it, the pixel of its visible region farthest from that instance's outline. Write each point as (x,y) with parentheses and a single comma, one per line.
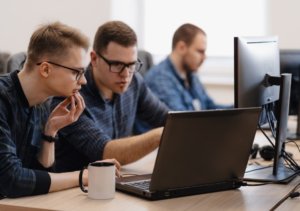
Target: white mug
(101,180)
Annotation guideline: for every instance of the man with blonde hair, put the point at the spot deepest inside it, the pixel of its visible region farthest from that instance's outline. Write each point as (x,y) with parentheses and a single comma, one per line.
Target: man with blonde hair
(28,131)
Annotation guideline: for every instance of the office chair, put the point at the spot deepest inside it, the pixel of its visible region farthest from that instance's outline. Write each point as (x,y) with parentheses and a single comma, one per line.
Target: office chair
(147,60)
(3,60)
(15,62)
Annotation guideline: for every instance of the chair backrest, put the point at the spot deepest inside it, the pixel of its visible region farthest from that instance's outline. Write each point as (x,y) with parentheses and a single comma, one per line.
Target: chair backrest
(3,60)
(16,62)
(147,60)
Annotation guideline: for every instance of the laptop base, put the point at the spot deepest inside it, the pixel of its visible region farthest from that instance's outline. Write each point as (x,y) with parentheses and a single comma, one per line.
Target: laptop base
(187,191)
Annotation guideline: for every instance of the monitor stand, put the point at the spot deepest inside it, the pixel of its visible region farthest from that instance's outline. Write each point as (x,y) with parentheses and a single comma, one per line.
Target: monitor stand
(278,173)
(257,173)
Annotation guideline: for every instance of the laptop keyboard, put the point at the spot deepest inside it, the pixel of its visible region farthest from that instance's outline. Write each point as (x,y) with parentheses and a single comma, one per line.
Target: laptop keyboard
(142,184)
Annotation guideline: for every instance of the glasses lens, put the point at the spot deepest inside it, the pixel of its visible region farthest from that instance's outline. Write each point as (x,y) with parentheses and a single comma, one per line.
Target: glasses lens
(119,67)
(116,68)
(138,66)
(79,75)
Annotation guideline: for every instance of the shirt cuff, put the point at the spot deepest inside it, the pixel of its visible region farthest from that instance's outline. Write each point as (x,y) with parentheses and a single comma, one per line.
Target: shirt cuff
(43,182)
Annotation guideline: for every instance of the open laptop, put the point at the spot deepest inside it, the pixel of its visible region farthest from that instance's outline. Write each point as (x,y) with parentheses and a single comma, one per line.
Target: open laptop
(200,152)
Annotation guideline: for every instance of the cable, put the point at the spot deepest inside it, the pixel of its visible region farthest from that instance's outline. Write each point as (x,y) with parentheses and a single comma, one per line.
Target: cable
(129,174)
(291,194)
(256,184)
(264,167)
(262,130)
(289,161)
(271,119)
(292,141)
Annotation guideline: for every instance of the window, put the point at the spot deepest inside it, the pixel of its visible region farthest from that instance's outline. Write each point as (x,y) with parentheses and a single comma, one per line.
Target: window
(222,20)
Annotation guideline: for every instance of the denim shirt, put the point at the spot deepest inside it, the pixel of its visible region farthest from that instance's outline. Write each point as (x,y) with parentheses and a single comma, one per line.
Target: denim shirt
(102,121)
(20,137)
(164,81)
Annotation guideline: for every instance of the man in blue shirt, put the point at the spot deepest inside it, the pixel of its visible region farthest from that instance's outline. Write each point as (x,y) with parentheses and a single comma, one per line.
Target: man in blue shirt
(54,66)
(175,80)
(114,95)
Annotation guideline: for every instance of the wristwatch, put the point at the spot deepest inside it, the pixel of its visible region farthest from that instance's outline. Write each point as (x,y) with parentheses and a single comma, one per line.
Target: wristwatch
(50,139)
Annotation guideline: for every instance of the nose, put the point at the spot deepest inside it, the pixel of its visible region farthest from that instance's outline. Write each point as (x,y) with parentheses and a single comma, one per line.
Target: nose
(125,72)
(82,80)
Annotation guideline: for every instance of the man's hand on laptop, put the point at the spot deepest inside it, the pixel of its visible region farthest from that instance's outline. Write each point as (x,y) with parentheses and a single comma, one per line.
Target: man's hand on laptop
(117,165)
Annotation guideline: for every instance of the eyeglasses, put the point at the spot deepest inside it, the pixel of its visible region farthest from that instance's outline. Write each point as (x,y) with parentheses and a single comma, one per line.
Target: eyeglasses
(79,71)
(118,67)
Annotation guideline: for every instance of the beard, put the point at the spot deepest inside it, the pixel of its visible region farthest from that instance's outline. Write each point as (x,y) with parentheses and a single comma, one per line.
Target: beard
(188,68)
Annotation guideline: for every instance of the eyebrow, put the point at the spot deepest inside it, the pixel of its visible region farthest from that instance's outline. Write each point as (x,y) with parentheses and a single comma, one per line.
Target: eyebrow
(120,62)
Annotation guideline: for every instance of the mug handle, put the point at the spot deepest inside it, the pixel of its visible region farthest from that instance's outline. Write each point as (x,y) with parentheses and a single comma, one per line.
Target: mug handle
(80,180)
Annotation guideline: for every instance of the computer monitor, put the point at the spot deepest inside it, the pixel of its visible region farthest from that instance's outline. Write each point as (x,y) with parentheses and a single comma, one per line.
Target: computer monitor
(290,63)
(258,83)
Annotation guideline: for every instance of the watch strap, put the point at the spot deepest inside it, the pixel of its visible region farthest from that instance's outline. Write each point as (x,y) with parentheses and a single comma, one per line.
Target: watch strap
(50,139)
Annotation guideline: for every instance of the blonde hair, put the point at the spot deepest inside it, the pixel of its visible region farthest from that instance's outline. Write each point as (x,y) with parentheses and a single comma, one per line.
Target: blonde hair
(54,40)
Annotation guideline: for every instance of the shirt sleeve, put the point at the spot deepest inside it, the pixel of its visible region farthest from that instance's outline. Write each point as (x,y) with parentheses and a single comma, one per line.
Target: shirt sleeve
(167,90)
(206,99)
(84,135)
(16,180)
(150,109)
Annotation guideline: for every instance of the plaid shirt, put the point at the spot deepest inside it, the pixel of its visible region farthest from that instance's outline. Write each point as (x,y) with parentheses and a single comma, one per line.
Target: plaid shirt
(84,141)
(165,82)
(20,131)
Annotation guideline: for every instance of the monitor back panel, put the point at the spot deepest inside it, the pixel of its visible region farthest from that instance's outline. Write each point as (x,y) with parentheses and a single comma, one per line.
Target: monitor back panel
(204,147)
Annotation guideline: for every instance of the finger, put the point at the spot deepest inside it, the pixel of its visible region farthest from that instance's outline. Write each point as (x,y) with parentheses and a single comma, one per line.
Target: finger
(65,102)
(62,105)
(73,107)
(118,174)
(78,101)
(82,100)
(117,164)
(79,107)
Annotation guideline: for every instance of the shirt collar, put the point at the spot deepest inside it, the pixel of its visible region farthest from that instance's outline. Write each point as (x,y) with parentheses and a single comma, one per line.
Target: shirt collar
(91,85)
(19,89)
(180,77)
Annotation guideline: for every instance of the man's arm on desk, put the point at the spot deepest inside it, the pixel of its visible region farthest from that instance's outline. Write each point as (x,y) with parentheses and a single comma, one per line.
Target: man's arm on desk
(62,181)
(128,150)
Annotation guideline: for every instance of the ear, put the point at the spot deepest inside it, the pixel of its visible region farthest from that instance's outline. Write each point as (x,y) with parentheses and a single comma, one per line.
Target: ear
(93,56)
(44,70)
(181,47)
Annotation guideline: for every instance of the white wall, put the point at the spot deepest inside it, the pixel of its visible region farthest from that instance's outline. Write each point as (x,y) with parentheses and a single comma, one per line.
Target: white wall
(283,20)
(19,18)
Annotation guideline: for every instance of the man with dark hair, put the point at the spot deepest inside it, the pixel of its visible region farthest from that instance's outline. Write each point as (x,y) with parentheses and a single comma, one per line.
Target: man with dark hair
(114,95)
(54,67)
(175,80)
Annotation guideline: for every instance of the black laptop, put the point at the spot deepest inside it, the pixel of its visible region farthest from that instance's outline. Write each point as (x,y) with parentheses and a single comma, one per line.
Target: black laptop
(200,152)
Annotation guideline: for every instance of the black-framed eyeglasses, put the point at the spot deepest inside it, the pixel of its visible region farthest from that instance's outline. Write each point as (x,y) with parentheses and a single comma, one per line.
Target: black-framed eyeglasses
(118,66)
(79,71)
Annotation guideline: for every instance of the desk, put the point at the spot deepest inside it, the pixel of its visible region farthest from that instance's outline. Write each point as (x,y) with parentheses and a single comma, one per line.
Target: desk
(245,198)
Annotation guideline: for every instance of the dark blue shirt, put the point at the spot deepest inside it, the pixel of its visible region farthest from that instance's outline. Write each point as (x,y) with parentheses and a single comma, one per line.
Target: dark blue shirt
(84,141)
(165,82)
(20,137)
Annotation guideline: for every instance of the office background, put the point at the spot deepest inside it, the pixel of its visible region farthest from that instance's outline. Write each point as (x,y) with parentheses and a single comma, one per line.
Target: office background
(156,20)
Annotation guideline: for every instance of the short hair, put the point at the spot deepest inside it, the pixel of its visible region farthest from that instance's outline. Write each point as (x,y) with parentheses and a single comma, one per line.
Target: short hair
(54,40)
(186,33)
(114,31)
